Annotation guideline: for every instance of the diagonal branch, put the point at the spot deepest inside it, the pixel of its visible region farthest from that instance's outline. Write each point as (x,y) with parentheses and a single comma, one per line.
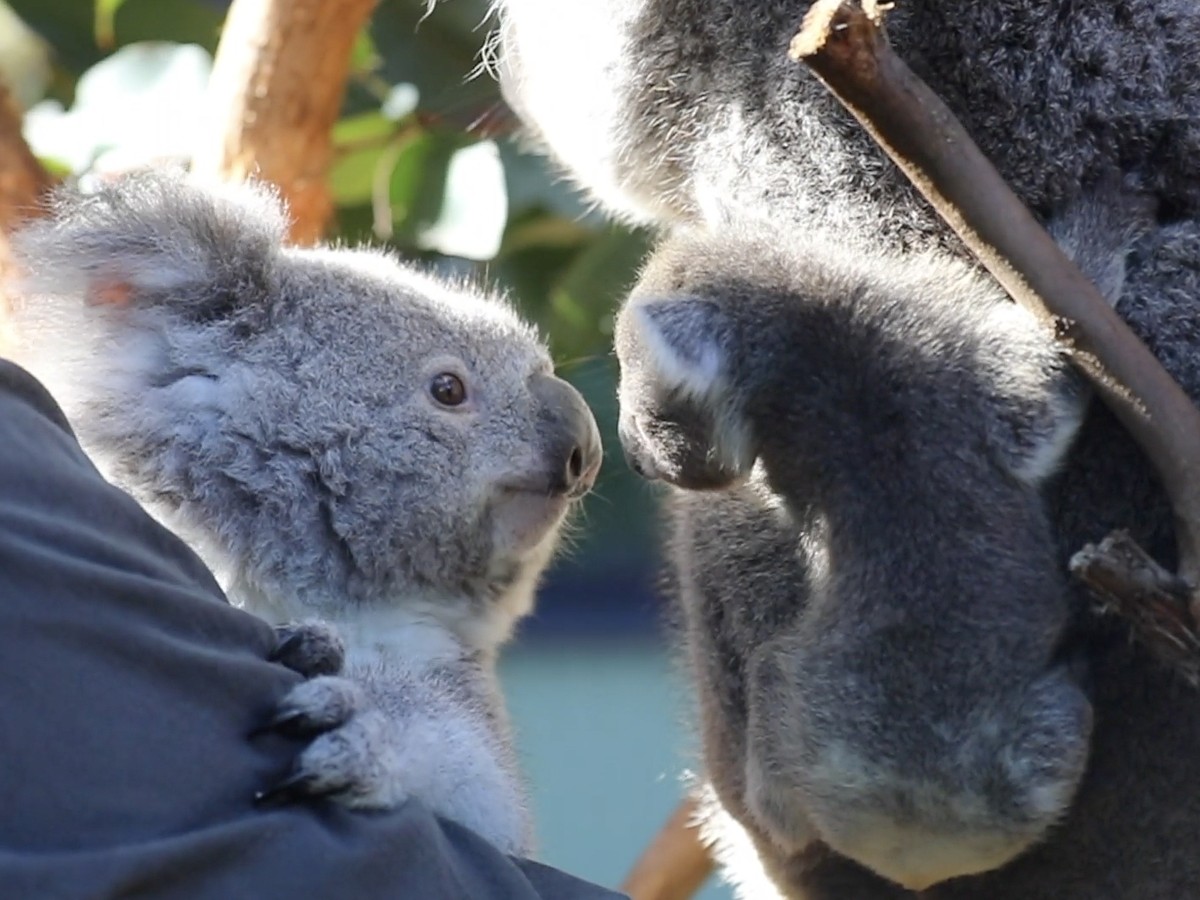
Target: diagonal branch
(845,46)
(276,91)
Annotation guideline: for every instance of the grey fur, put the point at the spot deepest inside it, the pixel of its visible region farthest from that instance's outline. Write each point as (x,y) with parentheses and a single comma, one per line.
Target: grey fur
(898,691)
(668,110)
(273,406)
(784,381)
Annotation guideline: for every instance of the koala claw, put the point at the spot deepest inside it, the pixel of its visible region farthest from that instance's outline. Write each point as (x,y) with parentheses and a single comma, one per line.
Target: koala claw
(352,757)
(351,764)
(310,648)
(296,786)
(316,706)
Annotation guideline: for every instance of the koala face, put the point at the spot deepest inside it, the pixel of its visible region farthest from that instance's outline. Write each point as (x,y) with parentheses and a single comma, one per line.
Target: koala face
(329,426)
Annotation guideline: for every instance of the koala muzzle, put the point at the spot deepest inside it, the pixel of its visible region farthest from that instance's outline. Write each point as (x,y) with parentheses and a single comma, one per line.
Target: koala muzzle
(570,437)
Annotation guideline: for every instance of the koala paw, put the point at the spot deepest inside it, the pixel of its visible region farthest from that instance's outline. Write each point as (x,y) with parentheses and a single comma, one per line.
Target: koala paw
(352,757)
(311,648)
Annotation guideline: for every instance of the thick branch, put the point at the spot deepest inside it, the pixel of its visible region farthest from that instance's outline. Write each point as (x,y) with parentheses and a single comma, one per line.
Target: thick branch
(23,182)
(675,865)
(276,92)
(844,45)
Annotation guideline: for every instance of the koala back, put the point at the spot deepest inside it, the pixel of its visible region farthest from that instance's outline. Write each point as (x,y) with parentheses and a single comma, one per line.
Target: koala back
(686,108)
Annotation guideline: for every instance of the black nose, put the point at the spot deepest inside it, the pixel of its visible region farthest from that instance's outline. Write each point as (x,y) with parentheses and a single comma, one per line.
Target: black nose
(571,437)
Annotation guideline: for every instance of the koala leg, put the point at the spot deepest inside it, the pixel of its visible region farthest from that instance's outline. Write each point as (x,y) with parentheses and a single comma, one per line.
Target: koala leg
(382,737)
(310,648)
(917,802)
(1045,744)
(772,780)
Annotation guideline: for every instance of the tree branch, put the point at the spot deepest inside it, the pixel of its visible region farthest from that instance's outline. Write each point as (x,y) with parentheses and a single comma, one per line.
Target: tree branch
(676,864)
(1155,603)
(277,86)
(23,183)
(845,46)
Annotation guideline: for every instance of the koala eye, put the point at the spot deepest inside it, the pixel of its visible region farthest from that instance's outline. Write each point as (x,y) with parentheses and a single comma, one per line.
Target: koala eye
(448,389)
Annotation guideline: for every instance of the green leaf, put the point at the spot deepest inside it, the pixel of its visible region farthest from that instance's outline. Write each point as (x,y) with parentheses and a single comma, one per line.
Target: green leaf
(582,301)
(106,12)
(352,176)
(364,56)
(367,128)
(416,186)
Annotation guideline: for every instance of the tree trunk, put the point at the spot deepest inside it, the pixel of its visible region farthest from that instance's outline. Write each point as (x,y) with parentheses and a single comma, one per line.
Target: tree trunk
(276,91)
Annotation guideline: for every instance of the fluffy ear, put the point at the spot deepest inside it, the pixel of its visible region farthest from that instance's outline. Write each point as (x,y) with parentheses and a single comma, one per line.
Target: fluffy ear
(154,239)
(681,341)
(680,418)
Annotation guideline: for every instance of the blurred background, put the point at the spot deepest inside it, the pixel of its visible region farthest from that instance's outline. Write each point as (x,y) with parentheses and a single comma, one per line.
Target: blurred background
(428,161)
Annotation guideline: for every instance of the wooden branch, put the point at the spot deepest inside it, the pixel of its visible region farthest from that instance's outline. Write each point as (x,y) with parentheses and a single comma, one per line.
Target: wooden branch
(676,864)
(1128,583)
(845,46)
(23,180)
(23,184)
(276,91)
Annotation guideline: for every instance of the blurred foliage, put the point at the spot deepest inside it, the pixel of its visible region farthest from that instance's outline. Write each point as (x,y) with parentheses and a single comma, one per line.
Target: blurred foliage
(427,162)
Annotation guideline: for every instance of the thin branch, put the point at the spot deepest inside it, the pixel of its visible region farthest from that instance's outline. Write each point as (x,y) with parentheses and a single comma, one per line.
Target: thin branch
(276,91)
(675,865)
(1128,583)
(847,49)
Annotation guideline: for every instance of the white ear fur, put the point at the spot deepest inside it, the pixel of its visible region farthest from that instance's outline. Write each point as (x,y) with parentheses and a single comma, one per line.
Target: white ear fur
(682,343)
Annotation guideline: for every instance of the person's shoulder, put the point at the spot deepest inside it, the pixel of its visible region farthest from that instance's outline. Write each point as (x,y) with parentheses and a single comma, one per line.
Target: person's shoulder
(18,387)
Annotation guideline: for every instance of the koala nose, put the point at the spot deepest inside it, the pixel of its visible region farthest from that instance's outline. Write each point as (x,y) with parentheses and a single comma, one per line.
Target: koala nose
(570,436)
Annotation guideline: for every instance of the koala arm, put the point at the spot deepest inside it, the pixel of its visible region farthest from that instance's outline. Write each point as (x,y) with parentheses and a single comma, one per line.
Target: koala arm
(1100,227)
(387,732)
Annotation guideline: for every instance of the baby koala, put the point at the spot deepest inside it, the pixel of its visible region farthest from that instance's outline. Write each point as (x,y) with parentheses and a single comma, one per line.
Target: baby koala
(339,437)
(871,604)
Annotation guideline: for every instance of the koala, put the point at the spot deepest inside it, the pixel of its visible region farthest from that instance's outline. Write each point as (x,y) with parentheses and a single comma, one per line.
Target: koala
(872,606)
(671,111)
(342,438)
(856,430)
(864,473)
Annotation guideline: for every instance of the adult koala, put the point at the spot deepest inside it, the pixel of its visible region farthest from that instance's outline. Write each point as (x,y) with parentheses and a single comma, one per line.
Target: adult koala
(337,435)
(875,569)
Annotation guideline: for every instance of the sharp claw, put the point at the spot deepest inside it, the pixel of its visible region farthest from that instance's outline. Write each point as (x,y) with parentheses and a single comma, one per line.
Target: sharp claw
(325,656)
(285,646)
(294,787)
(292,723)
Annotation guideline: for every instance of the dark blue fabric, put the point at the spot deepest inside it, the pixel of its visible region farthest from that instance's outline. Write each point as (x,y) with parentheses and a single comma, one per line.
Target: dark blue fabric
(128,686)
